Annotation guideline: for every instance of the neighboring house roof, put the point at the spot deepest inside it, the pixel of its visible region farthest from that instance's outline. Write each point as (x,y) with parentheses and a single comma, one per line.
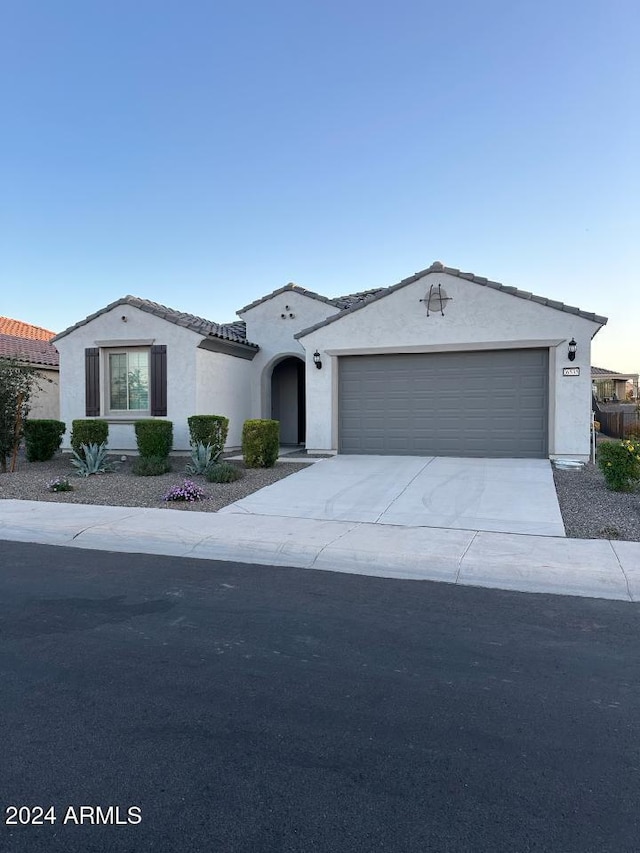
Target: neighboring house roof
(18,329)
(37,352)
(602,371)
(341,302)
(374,295)
(235,332)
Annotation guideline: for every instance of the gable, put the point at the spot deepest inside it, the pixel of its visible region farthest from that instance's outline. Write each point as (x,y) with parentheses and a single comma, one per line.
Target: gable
(437,274)
(468,315)
(290,288)
(234,333)
(275,321)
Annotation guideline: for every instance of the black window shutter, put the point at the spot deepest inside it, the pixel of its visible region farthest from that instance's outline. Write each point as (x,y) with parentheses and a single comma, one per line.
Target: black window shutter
(159,380)
(92,382)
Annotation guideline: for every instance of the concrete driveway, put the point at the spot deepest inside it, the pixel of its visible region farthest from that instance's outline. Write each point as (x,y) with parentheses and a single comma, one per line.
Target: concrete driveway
(500,495)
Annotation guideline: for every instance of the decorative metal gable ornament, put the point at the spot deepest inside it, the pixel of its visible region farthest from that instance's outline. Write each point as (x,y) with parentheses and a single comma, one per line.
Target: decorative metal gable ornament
(436,299)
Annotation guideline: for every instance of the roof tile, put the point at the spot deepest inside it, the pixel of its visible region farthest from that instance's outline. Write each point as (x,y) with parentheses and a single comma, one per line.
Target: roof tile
(24,330)
(602,371)
(437,266)
(235,332)
(30,350)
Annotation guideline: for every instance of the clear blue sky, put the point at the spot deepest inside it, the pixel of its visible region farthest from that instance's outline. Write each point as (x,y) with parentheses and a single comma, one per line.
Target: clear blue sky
(203,153)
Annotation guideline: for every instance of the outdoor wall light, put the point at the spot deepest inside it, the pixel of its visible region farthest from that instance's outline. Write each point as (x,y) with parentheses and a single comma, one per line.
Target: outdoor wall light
(573,346)
(316,360)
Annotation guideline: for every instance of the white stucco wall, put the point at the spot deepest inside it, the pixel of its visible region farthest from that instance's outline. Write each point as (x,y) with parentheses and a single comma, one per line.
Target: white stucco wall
(181,346)
(477,317)
(274,334)
(45,401)
(223,387)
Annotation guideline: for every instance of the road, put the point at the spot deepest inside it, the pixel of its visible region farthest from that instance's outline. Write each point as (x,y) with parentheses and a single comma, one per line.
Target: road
(246,708)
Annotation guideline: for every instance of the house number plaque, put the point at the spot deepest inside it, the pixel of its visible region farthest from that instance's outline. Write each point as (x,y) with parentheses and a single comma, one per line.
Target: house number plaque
(571,371)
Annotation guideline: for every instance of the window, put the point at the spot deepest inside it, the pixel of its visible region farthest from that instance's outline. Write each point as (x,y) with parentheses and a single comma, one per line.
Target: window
(128,380)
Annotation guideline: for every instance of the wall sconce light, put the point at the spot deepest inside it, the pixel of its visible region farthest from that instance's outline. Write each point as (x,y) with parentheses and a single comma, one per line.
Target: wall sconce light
(316,360)
(573,346)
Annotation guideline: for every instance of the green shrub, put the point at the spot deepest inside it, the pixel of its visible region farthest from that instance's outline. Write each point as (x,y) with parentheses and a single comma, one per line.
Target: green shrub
(223,472)
(260,443)
(151,466)
(619,461)
(42,438)
(88,431)
(209,429)
(154,437)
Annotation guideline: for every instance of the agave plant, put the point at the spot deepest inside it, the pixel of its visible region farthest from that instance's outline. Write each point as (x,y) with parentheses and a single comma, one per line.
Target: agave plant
(202,457)
(92,461)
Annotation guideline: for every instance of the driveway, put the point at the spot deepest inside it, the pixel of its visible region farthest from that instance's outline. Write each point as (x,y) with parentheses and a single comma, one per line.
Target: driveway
(500,495)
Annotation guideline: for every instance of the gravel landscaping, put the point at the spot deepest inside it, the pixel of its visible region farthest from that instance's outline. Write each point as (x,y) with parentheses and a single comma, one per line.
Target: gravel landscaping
(589,510)
(123,488)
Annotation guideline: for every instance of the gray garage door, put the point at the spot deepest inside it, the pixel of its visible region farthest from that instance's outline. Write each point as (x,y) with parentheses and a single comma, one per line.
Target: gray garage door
(492,403)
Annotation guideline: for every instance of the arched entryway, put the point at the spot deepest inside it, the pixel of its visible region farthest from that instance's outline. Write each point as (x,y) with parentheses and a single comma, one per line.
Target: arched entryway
(288,399)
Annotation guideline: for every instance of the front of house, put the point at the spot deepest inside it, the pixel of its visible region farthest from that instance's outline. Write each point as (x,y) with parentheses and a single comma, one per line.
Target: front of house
(442,363)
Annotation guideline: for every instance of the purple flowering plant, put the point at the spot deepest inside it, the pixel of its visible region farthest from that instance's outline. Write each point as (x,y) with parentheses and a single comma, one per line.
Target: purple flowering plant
(187,491)
(59,484)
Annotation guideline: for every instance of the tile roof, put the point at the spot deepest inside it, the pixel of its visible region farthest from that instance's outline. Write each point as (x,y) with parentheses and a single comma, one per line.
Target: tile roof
(30,350)
(602,371)
(356,299)
(437,266)
(291,287)
(235,332)
(24,330)
(341,302)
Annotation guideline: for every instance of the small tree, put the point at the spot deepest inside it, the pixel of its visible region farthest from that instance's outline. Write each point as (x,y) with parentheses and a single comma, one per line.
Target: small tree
(17,383)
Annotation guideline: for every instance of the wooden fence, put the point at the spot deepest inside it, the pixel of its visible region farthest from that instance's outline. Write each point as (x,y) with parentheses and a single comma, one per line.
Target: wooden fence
(616,424)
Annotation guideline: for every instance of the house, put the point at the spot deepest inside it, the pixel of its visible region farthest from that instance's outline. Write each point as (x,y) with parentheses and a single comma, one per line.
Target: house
(442,363)
(609,385)
(31,345)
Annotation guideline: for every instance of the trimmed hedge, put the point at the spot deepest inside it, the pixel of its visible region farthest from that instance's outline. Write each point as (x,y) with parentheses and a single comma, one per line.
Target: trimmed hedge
(154,437)
(88,431)
(260,443)
(42,438)
(209,429)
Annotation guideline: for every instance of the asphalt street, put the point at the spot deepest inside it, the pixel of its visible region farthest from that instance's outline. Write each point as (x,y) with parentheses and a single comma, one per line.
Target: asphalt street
(230,708)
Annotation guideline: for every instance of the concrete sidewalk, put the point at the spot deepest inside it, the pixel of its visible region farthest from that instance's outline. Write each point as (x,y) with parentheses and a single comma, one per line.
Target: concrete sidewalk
(594,568)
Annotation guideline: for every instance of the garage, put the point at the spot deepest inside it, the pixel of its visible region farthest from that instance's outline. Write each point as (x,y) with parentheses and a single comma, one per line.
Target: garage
(473,403)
